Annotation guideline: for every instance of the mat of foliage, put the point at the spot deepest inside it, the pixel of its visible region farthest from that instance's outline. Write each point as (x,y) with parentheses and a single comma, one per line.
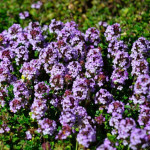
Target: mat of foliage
(133,16)
(61,88)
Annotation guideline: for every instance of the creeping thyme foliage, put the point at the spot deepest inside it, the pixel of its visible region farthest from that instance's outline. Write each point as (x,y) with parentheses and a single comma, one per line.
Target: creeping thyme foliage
(59,84)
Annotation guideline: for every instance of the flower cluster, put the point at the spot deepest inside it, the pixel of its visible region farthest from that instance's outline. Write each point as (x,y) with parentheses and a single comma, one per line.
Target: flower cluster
(121,60)
(47,126)
(113,32)
(139,53)
(92,36)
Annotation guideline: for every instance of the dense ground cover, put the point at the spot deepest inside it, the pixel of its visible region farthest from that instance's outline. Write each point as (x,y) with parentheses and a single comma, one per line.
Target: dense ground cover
(68,85)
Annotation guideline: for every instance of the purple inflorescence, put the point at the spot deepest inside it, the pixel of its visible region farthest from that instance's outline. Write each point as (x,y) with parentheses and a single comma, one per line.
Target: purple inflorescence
(16,104)
(121,60)
(86,135)
(38,108)
(47,126)
(138,139)
(40,89)
(30,70)
(106,145)
(92,36)
(3,95)
(94,62)
(113,32)
(103,97)
(118,77)
(115,46)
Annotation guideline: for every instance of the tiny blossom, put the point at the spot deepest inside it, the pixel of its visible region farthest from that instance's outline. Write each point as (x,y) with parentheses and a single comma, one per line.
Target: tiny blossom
(1,130)
(142,84)
(139,67)
(140,48)
(56,100)
(49,54)
(28,135)
(57,82)
(101,79)
(67,117)
(115,120)
(4,128)
(21,54)
(102,23)
(144,116)
(80,88)
(6,54)
(58,69)
(3,95)
(139,98)
(69,102)
(20,90)
(31,69)
(13,31)
(37,5)
(66,52)
(125,127)
(24,15)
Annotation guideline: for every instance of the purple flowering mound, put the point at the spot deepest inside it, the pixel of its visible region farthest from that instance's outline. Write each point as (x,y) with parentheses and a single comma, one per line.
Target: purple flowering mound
(68,87)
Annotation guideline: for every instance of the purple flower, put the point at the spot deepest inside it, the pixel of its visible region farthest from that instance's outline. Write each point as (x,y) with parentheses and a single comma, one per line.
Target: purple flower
(37,5)
(24,15)
(100,119)
(28,135)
